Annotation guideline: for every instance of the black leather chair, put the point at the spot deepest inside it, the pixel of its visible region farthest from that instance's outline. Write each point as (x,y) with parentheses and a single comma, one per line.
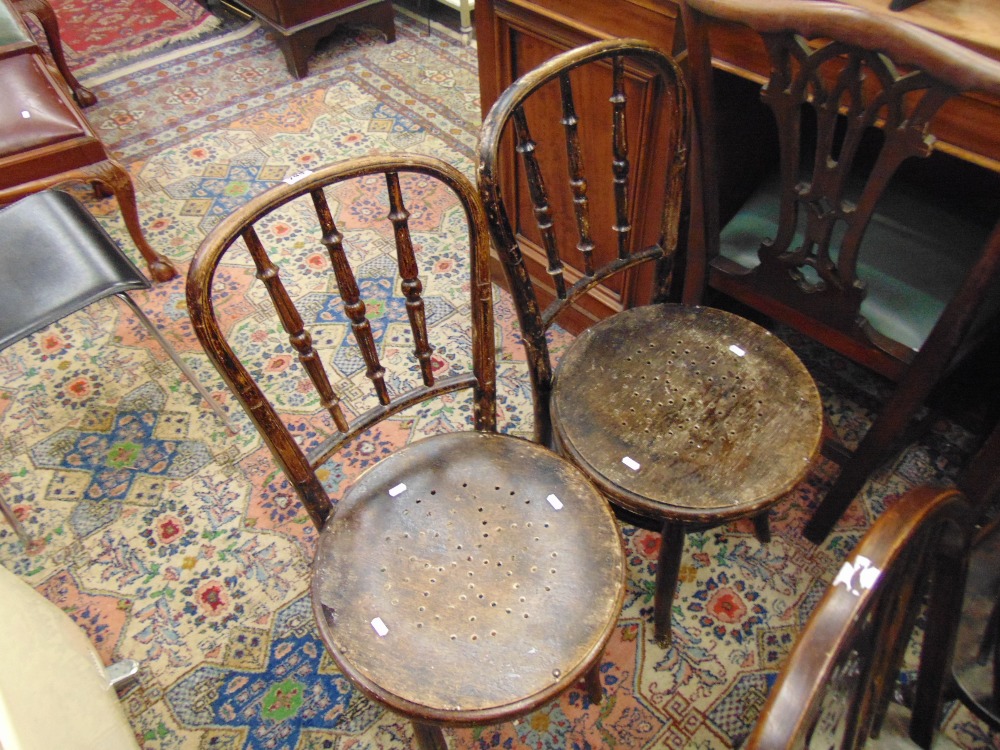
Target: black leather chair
(56,260)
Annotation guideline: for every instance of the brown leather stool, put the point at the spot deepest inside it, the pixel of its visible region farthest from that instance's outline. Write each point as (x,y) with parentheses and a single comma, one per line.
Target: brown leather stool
(45,141)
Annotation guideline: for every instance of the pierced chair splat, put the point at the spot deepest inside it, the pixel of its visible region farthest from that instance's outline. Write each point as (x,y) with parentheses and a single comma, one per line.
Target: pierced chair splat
(686,415)
(857,234)
(467,577)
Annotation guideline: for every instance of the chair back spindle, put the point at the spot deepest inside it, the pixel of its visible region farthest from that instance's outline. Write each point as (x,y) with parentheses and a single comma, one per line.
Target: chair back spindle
(648,399)
(659,109)
(349,419)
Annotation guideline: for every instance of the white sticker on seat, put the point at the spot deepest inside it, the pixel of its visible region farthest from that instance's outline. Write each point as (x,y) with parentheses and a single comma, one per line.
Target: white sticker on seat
(380,627)
(299,176)
(399,489)
(631,463)
(738,351)
(555,502)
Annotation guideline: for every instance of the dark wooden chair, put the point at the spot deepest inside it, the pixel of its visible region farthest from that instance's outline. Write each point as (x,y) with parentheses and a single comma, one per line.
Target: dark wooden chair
(686,415)
(835,688)
(468,577)
(842,241)
(45,141)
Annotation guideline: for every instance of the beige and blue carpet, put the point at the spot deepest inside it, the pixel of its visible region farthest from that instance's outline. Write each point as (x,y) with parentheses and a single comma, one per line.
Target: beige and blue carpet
(174,543)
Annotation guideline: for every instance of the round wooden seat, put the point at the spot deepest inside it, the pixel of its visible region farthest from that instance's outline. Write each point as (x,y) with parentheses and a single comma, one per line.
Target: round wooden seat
(716,416)
(468,578)
(687,414)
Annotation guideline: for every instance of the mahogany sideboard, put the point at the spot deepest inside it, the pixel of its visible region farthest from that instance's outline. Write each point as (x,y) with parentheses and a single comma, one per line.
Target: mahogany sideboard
(516,35)
(297,25)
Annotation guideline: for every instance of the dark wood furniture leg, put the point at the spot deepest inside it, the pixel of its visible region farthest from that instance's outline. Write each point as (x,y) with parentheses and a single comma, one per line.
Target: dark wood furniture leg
(595,691)
(668,568)
(762,527)
(46,18)
(429,737)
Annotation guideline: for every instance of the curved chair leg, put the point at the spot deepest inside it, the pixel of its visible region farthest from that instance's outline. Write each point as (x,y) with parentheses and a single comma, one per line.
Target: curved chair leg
(667,570)
(15,522)
(47,19)
(762,527)
(113,175)
(429,736)
(151,327)
(595,690)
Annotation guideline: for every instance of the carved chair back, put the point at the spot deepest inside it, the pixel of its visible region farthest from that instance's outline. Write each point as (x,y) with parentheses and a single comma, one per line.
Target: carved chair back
(836,245)
(353,222)
(876,268)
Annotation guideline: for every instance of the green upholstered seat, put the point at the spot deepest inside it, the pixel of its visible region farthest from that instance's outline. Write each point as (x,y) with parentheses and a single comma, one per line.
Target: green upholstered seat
(913,258)
(12,30)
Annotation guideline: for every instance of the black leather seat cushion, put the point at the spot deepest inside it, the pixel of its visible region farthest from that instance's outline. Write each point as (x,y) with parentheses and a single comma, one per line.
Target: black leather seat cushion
(55,259)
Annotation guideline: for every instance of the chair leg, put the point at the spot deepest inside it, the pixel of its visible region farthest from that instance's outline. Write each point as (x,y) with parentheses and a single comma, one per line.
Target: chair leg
(15,522)
(595,690)
(762,527)
(429,736)
(122,673)
(944,606)
(113,175)
(667,571)
(384,18)
(42,11)
(151,327)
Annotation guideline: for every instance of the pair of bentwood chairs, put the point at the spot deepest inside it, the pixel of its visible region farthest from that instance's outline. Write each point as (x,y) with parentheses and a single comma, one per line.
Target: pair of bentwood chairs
(468,577)
(473,547)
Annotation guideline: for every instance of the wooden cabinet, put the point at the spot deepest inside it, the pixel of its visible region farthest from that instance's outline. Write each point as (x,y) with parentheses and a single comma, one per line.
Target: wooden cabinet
(298,25)
(513,38)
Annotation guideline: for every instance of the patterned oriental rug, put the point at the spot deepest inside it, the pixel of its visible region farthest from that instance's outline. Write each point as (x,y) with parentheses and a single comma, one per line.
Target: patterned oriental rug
(172,542)
(97,34)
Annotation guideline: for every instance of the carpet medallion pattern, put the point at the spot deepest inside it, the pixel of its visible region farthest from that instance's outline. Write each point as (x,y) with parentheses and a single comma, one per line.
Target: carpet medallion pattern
(175,543)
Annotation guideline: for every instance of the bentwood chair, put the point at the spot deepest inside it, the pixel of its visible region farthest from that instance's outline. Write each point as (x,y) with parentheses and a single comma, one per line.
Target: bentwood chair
(686,415)
(841,241)
(467,577)
(835,688)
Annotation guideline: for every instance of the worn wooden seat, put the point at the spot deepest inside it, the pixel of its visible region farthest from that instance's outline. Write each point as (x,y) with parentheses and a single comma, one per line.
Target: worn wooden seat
(842,238)
(686,415)
(835,688)
(468,577)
